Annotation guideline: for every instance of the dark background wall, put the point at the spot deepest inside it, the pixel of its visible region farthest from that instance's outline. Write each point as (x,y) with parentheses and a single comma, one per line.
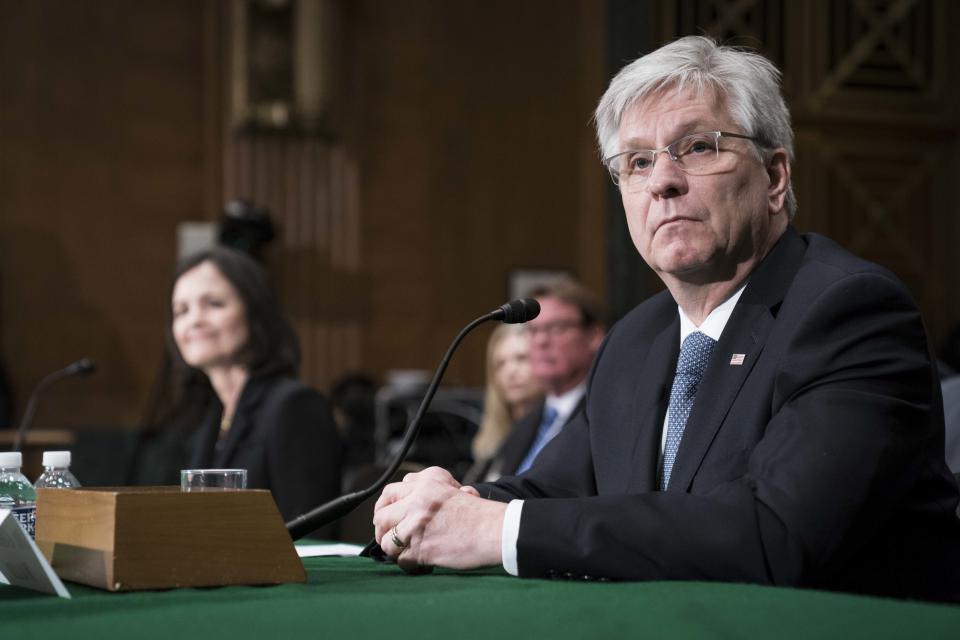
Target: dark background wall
(460,150)
(104,147)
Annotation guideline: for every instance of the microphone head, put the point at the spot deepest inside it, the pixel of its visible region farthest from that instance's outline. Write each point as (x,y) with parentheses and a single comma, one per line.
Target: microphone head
(519,311)
(81,367)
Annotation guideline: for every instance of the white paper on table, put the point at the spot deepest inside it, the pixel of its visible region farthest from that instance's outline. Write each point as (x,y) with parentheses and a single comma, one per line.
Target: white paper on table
(21,563)
(335,549)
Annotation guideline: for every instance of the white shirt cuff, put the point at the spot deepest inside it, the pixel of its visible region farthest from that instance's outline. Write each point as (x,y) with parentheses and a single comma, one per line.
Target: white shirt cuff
(509,535)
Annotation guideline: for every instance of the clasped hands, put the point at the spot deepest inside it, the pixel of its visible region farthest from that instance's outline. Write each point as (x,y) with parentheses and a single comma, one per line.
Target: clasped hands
(429,520)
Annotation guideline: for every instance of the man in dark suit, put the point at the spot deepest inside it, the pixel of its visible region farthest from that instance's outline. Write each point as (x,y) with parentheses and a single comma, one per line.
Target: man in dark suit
(564,339)
(772,417)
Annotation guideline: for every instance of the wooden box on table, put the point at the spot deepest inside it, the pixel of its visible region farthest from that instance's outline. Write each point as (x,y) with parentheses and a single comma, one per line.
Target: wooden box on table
(130,538)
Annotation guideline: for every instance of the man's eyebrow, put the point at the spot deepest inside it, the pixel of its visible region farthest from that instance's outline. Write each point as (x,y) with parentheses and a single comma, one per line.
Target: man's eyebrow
(684,129)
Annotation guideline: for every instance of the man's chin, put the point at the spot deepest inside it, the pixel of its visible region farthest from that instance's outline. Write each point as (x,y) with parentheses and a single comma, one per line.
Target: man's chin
(683,264)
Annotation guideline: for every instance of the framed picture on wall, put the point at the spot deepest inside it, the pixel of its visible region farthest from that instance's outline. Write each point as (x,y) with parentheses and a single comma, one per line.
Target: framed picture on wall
(284,65)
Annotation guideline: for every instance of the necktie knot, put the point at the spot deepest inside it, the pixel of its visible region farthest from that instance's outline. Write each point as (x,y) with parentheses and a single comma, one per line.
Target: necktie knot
(549,416)
(694,354)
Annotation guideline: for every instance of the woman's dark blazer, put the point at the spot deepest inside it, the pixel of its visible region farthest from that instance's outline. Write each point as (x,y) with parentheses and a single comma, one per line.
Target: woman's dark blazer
(284,435)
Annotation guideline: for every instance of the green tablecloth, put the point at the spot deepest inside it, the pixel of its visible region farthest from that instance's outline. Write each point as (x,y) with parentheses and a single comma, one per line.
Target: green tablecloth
(355,598)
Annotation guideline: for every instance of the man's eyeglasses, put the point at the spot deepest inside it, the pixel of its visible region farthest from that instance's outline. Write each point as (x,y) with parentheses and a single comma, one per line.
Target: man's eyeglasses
(695,154)
(551,329)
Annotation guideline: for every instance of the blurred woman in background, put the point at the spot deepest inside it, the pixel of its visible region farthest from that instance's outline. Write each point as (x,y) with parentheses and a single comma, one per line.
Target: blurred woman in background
(235,360)
(511,392)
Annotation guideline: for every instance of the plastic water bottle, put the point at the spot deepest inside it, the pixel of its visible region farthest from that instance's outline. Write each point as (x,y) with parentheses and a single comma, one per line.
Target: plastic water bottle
(56,471)
(16,492)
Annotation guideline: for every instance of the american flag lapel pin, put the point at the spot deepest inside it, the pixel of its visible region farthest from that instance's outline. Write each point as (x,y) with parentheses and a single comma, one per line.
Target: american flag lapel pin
(737,359)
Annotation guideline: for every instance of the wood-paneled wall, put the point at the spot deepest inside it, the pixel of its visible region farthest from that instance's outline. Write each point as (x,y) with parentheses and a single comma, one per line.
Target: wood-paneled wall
(463,150)
(872,87)
(108,138)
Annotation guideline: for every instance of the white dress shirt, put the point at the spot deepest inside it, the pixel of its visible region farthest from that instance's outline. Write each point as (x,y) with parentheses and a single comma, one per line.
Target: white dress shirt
(564,405)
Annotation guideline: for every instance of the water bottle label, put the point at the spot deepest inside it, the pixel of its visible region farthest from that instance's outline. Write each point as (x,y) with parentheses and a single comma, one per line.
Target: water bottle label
(27,517)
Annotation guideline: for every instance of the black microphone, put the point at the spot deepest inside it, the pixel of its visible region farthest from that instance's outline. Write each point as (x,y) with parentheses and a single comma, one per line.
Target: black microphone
(79,368)
(520,310)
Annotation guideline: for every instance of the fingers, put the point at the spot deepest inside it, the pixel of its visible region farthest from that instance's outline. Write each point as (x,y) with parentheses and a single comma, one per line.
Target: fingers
(398,542)
(384,518)
(394,543)
(392,493)
(471,490)
(433,474)
(399,490)
(406,511)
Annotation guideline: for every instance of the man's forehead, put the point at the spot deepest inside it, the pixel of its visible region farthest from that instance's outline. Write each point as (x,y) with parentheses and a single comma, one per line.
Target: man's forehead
(552,308)
(672,110)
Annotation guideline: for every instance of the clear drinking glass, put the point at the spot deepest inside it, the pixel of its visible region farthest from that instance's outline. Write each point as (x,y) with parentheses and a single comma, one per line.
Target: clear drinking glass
(212,479)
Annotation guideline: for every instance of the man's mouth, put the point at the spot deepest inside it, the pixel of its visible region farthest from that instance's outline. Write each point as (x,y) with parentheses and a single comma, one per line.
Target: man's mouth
(673,221)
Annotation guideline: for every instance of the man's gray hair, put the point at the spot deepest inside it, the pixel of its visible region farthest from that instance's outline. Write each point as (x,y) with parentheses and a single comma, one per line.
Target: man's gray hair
(748,84)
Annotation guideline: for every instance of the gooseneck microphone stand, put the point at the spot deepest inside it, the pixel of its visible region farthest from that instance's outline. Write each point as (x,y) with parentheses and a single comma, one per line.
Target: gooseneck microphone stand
(515,311)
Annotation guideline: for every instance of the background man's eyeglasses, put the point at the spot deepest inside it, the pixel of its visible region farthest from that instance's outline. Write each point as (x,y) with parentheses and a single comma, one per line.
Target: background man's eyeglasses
(551,329)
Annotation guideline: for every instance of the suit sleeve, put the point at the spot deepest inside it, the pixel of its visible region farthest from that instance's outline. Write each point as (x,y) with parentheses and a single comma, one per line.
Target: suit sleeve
(850,433)
(304,453)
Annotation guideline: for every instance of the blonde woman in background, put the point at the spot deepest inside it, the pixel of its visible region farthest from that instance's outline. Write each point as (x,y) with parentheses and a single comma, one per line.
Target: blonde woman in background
(511,392)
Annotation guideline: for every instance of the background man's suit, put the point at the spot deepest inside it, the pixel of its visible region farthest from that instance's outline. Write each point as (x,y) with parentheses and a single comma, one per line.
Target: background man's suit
(283,434)
(816,462)
(518,442)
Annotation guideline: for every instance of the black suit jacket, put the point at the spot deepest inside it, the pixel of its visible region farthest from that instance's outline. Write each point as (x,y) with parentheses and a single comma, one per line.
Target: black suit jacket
(518,442)
(284,435)
(817,462)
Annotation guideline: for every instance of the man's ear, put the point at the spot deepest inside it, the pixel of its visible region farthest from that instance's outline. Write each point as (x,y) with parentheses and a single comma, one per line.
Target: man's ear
(778,171)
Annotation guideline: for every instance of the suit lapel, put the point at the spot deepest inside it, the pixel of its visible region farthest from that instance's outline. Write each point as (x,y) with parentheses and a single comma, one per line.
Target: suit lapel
(745,335)
(520,440)
(640,460)
(243,422)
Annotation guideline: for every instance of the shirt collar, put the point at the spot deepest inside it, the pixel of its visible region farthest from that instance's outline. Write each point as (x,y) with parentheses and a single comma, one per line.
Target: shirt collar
(715,322)
(565,403)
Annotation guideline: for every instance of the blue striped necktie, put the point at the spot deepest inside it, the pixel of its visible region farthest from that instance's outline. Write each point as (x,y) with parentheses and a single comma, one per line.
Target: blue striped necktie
(549,417)
(694,355)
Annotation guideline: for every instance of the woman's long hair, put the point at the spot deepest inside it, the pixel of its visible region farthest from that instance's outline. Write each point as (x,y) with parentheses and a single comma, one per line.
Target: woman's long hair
(271,349)
(497,419)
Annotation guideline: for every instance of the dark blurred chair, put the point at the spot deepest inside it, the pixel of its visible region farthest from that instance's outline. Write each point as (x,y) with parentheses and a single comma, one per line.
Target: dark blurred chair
(353,397)
(446,431)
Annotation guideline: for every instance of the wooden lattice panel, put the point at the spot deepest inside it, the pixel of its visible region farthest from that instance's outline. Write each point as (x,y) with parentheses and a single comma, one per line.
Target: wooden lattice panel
(758,24)
(876,60)
(881,197)
(871,86)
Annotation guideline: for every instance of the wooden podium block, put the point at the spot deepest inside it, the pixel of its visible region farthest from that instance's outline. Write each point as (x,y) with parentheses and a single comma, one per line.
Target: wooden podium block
(130,538)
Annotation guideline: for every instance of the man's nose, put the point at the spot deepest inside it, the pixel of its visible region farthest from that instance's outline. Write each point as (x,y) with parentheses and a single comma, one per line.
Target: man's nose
(666,179)
(538,343)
